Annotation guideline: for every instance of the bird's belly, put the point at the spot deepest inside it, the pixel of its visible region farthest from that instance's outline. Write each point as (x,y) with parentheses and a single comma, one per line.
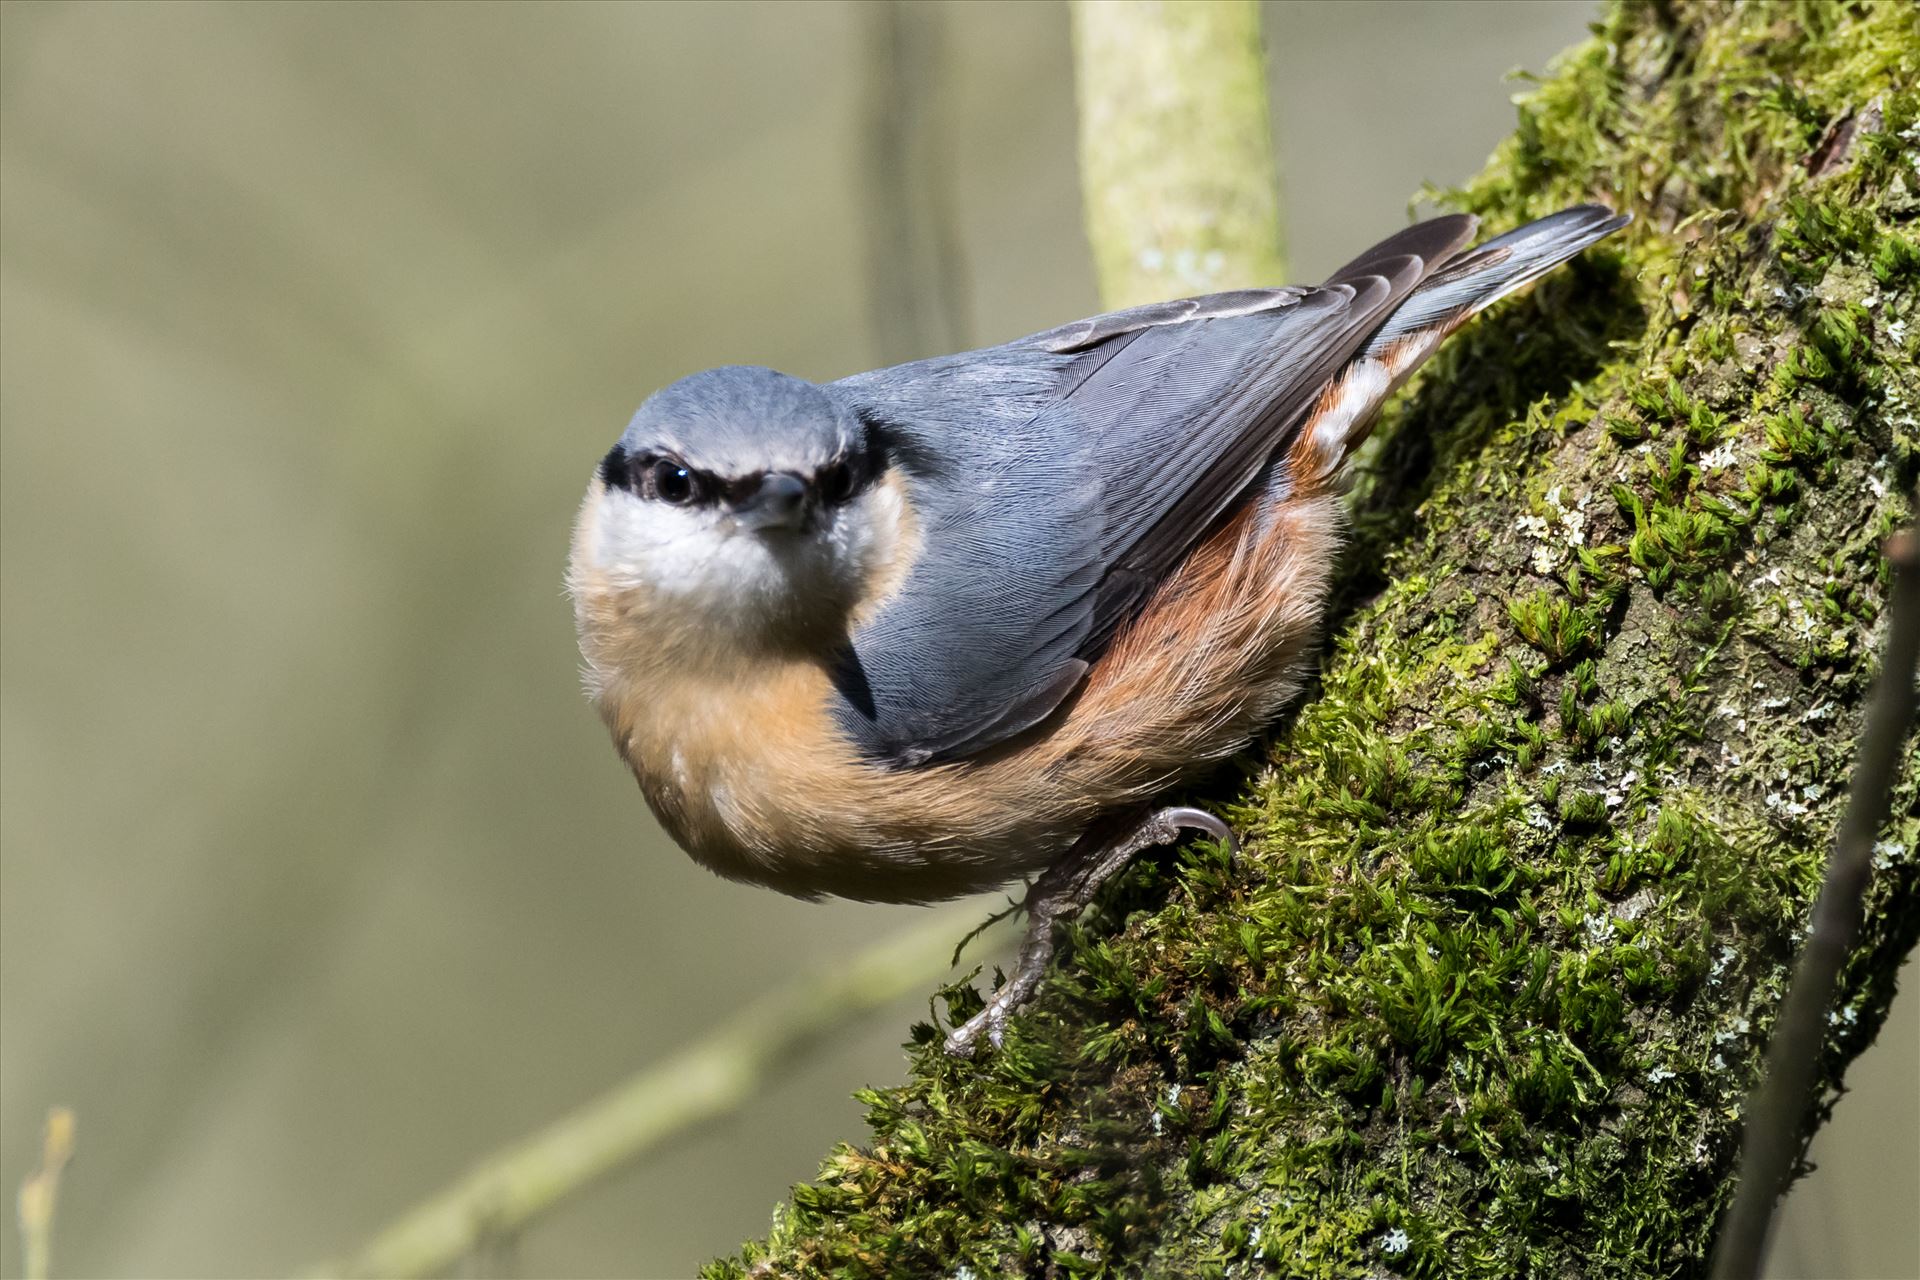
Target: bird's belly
(758,784)
(753,778)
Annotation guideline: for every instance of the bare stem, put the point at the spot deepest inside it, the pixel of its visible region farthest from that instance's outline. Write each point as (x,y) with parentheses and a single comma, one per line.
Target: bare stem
(40,1193)
(1777,1110)
(917,291)
(508,1190)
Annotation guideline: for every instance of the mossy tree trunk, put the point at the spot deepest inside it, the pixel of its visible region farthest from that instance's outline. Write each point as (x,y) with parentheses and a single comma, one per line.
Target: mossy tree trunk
(1524,876)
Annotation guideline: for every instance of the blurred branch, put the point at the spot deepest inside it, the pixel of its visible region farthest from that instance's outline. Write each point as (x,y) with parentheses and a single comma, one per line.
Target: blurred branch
(1176,148)
(1777,1112)
(916,277)
(508,1190)
(40,1193)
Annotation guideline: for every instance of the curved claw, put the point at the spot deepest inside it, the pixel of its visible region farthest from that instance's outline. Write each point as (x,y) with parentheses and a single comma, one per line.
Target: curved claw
(1180,819)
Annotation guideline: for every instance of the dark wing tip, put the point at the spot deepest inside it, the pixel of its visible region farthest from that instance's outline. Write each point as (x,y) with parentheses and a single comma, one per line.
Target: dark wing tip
(1434,242)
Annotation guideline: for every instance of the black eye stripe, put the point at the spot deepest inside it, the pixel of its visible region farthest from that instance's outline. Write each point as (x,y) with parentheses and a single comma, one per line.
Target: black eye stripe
(836,483)
(739,490)
(644,475)
(615,469)
(845,477)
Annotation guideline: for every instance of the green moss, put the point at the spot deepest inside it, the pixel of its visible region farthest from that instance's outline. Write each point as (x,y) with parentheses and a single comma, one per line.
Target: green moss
(1554,625)
(1522,881)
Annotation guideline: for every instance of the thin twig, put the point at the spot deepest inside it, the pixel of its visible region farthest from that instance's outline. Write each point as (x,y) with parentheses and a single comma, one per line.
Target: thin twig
(1777,1110)
(508,1190)
(916,279)
(40,1194)
(960,947)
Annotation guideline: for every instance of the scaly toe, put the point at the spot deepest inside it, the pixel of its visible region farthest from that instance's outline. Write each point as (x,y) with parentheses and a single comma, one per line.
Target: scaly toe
(960,1041)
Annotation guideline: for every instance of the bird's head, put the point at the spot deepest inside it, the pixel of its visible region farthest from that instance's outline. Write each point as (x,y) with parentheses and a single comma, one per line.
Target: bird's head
(741,506)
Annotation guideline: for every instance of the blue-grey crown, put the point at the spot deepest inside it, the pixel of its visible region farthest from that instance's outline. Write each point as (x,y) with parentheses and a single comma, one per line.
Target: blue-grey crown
(741,420)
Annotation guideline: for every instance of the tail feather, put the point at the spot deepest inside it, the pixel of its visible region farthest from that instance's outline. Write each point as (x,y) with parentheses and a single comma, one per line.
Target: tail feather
(1463,285)
(1471,283)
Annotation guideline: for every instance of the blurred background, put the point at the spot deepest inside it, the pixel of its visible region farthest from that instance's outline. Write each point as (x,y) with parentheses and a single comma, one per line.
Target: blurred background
(318,880)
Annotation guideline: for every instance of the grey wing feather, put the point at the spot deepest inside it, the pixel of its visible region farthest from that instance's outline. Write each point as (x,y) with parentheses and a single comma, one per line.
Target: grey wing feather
(1057,479)
(981,639)
(1082,334)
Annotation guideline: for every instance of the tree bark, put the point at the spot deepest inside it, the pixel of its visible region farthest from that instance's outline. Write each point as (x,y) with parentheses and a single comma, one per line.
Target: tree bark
(1524,877)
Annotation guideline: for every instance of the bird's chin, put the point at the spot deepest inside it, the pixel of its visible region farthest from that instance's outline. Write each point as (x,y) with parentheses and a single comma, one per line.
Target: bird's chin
(776,584)
(776,589)
(777,529)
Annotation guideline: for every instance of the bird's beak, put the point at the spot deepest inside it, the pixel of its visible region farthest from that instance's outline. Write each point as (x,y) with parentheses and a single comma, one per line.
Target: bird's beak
(783,501)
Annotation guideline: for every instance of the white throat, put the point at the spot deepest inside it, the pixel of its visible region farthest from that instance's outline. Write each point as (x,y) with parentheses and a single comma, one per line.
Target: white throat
(718,581)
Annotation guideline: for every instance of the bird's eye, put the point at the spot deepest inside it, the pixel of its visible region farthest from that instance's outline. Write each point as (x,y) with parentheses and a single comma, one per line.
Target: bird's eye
(673,483)
(838,482)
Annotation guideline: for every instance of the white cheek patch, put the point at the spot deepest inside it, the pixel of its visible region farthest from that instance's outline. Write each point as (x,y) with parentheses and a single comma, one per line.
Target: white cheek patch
(692,557)
(737,577)
(677,551)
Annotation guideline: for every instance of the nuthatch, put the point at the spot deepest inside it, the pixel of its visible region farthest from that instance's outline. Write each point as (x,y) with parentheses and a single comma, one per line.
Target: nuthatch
(926,629)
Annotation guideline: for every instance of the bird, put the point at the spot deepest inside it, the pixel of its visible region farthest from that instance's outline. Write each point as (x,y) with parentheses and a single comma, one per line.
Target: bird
(929,629)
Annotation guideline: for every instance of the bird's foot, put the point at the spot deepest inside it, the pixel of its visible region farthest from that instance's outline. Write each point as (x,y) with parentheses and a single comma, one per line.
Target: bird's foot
(1061,891)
